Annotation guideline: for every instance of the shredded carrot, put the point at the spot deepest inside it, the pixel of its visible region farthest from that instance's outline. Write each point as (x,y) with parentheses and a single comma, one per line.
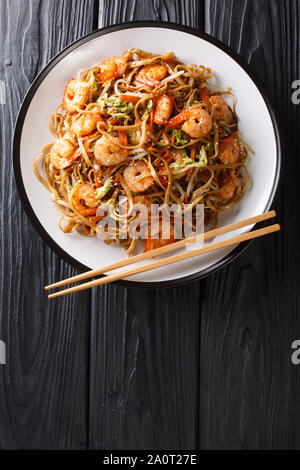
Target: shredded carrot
(129,98)
(151,120)
(117,178)
(173,101)
(86,147)
(86,229)
(185,197)
(123,138)
(113,121)
(100,120)
(166,154)
(148,245)
(173,139)
(97,218)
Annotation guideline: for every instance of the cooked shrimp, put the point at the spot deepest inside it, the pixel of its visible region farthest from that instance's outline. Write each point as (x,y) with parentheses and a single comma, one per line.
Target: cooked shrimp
(138,177)
(151,75)
(229,150)
(163,109)
(227,190)
(222,111)
(84,199)
(108,153)
(197,122)
(63,153)
(76,95)
(111,68)
(85,124)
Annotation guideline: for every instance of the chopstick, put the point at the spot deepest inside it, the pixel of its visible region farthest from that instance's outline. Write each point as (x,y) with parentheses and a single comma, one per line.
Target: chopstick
(164,249)
(170,260)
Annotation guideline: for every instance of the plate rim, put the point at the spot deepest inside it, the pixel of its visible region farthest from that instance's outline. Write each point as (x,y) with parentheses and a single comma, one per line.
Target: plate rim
(45,71)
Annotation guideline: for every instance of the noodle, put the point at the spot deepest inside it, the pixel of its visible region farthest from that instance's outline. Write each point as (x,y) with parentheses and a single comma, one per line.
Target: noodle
(148,128)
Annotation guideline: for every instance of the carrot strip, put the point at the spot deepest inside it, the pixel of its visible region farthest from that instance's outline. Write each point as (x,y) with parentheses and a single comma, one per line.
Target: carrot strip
(129,98)
(113,121)
(166,154)
(97,218)
(153,149)
(173,101)
(123,137)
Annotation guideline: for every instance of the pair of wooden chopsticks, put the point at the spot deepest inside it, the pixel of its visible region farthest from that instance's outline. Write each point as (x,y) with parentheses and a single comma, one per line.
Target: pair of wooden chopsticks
(166,249)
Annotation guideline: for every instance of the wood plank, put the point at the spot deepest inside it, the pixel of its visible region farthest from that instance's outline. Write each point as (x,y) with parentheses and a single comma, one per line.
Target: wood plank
(145,343)
(250,311)
(43,386)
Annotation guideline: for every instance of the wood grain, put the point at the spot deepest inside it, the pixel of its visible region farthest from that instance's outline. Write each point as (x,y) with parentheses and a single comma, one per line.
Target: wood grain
(207,365)
(250,312)
(145,343)
(43,386)
(144,363)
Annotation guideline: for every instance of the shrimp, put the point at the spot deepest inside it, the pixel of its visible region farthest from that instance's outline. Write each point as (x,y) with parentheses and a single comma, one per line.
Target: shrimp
(221,108)
(151,75)
(63,154)
(84,199)
(227,190)
(76,95)
(85,124)
(138,177)
(163,109)
(196,122)
(229,150)
(108,153)
(111,68)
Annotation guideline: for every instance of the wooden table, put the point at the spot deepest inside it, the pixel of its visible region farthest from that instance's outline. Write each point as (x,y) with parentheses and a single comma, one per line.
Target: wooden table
(204,366)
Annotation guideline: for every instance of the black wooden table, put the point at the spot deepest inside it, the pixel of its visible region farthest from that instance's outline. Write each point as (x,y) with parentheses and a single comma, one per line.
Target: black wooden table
(204,366)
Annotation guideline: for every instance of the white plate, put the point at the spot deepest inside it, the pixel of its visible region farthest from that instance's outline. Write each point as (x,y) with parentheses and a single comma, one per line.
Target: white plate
(256,121)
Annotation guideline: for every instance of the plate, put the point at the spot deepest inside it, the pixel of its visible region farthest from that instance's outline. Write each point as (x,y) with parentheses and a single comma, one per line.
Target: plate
(256,120)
